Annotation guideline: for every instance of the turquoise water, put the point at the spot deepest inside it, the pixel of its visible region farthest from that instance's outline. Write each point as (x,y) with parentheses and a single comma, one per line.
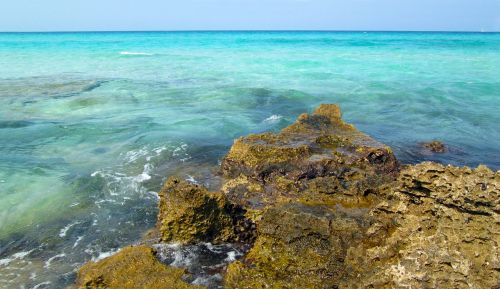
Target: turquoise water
(92,123)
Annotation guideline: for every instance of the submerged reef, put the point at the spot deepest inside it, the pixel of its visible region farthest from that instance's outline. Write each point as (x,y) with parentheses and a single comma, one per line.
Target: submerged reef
(322,205)
(434,147)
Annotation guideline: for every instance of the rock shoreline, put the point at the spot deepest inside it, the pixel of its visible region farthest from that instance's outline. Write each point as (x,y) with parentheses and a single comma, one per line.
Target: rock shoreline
(322,205)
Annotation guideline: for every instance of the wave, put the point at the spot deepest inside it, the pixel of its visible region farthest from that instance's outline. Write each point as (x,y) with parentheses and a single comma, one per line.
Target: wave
(136,53)
(273,118)
(63,231)
(16,256)
(204,260)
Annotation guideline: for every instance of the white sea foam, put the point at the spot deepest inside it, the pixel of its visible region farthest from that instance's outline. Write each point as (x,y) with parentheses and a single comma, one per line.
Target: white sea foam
(77,241)
(207,280)
(49,261)
(273,118)
(231,256)
(142,177)
(15,256)
(136,53)
(107,254)
(64,230)
(39,285)
(191,179)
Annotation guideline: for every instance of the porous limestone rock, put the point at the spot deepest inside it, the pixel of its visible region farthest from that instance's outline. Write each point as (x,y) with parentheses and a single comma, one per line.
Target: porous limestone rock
(131,268)
(444,232)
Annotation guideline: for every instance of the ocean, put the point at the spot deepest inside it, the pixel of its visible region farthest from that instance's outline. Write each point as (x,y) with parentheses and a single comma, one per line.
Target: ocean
(91,124)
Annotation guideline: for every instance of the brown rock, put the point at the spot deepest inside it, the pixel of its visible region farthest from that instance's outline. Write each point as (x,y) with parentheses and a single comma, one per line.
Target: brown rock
(444,232)
(267,168)
(131,268)
(298,246)
(189,214)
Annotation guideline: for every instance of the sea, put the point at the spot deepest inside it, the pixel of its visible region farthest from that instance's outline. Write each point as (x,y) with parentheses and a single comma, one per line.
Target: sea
(92,123)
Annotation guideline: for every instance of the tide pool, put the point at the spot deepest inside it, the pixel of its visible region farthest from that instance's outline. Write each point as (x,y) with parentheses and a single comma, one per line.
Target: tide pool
(91,124)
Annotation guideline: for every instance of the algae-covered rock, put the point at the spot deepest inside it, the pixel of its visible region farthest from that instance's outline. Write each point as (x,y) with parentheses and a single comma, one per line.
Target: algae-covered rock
(332,209)
(131,268)
(189,214)
(434,146)
(267,168)
(444,232)
(299,246)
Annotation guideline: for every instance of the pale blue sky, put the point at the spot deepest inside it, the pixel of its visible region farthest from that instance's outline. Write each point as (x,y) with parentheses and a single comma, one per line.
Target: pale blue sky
(64,15)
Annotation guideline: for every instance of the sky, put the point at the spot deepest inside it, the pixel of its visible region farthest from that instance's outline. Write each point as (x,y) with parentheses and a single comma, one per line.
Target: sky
(140,15)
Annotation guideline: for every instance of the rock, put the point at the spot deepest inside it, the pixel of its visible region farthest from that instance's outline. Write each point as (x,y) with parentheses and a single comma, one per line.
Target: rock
(323,205)
(434,146)
(444,232)
(299,246)
(319,158)
(131,268)
(189,214)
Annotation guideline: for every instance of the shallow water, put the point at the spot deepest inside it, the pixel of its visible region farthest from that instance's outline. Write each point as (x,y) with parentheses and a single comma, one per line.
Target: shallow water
(92,123)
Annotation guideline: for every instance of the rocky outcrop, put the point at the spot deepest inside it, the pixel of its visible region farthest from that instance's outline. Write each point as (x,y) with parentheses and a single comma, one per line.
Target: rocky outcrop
(322,205)
(444,232)
(131,268)
(299,246)
(318,159)
(189,214)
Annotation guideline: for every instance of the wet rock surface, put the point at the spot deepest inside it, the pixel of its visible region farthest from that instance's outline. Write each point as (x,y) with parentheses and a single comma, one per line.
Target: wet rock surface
(134,268)
(189,214)
(298,246)
(319,158)
(322,205)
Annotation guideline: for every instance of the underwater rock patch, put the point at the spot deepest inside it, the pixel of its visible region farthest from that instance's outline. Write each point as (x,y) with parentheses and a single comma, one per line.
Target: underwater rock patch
(434,147)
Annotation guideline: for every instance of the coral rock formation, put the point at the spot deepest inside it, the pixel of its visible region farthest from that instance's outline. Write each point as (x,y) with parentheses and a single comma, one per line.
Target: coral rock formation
(445,232)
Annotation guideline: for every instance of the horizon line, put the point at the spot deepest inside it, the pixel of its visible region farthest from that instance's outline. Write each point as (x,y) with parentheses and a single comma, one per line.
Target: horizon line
(249,30)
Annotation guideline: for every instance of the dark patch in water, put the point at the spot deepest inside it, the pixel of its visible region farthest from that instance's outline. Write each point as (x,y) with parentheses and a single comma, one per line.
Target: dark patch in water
(100,150)
(93,86)
(15,123)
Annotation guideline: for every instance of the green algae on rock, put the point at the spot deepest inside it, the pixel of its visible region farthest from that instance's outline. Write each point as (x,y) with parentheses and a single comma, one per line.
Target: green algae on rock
(131,268)
(189,214)
(437,227)
(298,246)
(267,168)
